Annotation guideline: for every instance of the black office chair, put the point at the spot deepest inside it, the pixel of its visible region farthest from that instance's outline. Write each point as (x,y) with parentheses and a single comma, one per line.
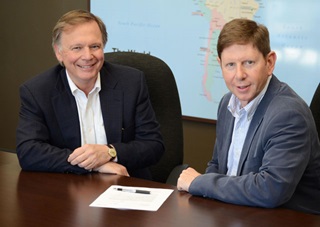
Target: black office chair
(166,104)
(315,108)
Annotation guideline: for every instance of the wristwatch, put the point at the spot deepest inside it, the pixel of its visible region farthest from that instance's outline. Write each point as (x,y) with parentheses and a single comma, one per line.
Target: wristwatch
(112,151)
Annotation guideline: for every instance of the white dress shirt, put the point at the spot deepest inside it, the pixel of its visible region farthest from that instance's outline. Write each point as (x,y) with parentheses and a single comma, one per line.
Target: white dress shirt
(90,115)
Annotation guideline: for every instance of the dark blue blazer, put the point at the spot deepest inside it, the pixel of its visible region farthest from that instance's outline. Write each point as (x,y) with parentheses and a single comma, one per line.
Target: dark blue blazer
(280,160)
(49,129)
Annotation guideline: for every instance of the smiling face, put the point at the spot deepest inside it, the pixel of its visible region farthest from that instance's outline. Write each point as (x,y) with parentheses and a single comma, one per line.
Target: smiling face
(81,51)
(245,70)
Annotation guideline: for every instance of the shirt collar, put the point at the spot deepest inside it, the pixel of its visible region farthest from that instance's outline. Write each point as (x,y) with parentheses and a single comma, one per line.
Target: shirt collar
(234,105)
(74,88)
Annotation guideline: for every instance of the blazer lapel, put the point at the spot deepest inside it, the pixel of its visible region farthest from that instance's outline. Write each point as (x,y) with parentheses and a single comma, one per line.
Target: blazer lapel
(65,109)
(257,119)
(225,129)
(228,129)
(111,101)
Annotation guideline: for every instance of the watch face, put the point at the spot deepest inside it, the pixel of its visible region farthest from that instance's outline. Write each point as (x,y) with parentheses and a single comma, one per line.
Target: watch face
(112,152)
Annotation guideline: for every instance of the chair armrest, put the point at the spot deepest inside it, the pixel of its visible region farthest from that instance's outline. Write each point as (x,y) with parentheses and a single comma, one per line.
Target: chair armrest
(175,173)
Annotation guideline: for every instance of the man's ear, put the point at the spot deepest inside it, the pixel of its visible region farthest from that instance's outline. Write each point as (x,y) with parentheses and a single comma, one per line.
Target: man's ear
(271,61)
(219,61)
(57,51)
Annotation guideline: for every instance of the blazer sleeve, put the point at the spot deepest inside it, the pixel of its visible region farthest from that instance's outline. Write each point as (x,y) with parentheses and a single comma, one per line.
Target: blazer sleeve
(36,148)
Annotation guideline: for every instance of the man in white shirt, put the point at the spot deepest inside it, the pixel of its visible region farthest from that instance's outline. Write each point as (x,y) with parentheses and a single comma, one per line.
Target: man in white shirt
(87,114)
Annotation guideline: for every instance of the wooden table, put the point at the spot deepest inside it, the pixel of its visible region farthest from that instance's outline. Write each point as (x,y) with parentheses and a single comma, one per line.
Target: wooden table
(53,199)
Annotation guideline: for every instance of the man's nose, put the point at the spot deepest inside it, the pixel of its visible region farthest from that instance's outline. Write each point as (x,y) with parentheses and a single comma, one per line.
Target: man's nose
(87,53)
(240,72)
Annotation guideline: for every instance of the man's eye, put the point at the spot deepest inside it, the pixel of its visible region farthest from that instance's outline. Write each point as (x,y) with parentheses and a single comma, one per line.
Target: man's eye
(230,65)
(76,48)
(249,63)
(96,47)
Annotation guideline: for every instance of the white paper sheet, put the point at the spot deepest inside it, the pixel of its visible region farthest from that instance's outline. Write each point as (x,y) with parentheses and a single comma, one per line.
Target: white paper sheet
(127,199)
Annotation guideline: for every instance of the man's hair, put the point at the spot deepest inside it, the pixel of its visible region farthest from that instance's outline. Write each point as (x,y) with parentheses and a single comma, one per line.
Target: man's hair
(76,17)
(242,32)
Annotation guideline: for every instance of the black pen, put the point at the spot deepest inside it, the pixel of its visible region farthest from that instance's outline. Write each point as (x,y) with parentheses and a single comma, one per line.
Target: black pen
(133,190)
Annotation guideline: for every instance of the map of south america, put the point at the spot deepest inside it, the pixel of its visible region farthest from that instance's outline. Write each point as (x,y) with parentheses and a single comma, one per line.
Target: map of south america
(218,13)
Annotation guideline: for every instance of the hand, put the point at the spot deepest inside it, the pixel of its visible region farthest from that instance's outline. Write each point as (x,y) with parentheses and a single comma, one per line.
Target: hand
(186,178)
(89,156)
(114,168)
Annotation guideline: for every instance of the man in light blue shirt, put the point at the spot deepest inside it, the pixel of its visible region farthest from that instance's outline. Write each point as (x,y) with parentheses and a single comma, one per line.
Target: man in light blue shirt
(267,151)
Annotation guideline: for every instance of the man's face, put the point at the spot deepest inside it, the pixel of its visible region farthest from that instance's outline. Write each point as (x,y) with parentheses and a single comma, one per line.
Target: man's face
(81,51)
(245,70)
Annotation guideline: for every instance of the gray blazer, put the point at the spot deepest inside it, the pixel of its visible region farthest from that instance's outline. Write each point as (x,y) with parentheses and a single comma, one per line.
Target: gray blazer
(49,128)
(280,159)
